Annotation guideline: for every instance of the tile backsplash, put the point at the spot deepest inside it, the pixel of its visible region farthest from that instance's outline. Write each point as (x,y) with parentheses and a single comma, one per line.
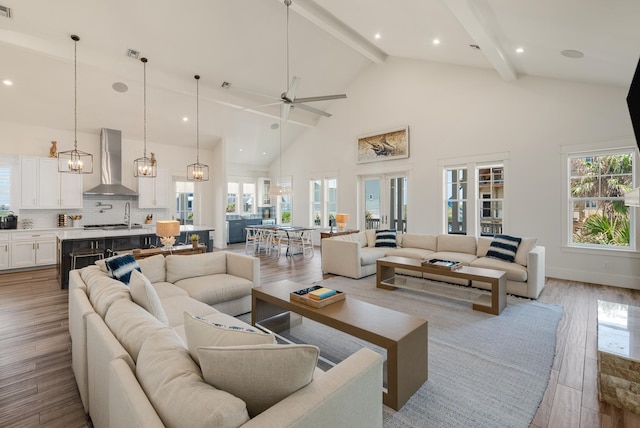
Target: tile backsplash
(94,213)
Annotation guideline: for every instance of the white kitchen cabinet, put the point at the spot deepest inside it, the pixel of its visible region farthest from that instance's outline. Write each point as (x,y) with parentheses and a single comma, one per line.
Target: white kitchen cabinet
(154,192)
(264,200)
(5,250)
(42,186)
(30,249)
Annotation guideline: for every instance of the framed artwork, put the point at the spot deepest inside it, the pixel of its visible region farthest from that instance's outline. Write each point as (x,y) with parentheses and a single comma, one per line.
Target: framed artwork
(388,145)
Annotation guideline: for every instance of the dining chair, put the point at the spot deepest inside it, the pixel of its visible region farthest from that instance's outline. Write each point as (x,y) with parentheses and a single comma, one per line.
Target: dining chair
(253,240)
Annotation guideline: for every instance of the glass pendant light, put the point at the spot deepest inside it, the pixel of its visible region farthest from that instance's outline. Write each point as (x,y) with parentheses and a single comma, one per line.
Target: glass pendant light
(197,171)
(145,167)
(75,161)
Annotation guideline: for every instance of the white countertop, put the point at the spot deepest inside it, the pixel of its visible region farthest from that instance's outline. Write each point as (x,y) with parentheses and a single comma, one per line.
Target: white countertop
(79,233)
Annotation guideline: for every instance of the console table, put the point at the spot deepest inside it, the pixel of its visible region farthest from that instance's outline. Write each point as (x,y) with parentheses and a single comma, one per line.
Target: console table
(326,233)
(178,249)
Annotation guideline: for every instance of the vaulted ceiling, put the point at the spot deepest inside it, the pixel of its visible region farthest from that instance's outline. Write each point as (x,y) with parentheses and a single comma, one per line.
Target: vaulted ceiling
(243,42)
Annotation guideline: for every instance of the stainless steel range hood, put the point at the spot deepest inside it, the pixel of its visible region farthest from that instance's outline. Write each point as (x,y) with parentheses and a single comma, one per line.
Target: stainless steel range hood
(111,166)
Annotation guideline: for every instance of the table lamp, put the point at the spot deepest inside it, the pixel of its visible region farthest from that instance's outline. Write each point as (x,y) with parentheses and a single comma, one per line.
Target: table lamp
(342,220)
(167,230)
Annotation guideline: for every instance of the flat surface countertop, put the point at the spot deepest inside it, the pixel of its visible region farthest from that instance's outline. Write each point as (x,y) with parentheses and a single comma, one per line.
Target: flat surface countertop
(75,233)
(618,329)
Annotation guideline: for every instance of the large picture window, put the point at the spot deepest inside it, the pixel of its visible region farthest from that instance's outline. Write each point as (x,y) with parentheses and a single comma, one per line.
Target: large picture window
(597,184)
(324,200)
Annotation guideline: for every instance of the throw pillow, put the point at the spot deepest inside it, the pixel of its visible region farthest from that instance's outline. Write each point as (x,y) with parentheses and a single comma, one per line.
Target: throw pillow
(504,247)
(386,238)
(203,332)
(260,375)
(121,267)
(143,294)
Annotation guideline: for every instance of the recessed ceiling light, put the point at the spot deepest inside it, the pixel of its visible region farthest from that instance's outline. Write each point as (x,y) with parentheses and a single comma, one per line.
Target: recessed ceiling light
(241,149)
(520,50)
(571,53)
(185,119)
(264,153)
(7,82)
(377,36)
(436,41)
(120,87)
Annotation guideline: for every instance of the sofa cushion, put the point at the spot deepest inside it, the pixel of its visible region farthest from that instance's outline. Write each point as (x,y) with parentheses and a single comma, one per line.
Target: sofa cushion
(361,238)
(121,267)
(153,268)
(525,247)
(227,331)
(427,242)
(212,289)
(167,289)
(369,255)
(504,247)
(386,238)
(132,325)
(190,266)
(457,244)
(515,271)
(371,237)
(261,375)
(483,246)
(143,293)
(103,290)
(173,382)
(412,253)
(176,306)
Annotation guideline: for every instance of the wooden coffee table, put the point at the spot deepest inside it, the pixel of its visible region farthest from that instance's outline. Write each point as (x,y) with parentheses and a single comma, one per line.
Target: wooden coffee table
(403,336)
(493,304)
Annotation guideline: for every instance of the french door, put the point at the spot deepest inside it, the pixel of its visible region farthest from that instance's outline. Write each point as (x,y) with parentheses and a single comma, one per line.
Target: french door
(385,201)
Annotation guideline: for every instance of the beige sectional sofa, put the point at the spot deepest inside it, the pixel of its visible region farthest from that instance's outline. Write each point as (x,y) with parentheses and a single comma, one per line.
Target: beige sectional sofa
(355,256)
(134,369)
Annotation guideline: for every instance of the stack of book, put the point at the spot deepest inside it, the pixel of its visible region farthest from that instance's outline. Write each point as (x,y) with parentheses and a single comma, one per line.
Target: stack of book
(321,293)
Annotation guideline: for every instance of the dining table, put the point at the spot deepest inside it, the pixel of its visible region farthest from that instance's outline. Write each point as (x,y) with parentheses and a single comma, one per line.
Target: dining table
(290,232)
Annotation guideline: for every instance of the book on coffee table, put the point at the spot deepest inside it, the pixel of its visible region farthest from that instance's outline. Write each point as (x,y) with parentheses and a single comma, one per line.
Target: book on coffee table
(304,296)
(442,264)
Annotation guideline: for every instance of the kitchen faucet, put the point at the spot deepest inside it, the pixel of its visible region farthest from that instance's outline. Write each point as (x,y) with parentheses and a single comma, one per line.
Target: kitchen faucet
(127,214)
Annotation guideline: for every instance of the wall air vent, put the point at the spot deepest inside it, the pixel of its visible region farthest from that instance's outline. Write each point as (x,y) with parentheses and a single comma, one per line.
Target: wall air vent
(5,11)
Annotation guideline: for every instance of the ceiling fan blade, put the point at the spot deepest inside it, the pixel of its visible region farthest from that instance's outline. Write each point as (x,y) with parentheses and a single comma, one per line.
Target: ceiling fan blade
(290,95)
(320,98)
(286,109)
(311,109)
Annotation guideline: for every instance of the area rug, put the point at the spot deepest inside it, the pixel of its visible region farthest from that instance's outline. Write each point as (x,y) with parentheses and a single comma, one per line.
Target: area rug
(484,370)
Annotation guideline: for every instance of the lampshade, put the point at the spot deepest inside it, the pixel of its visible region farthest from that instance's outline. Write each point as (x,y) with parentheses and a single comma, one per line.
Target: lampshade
(342,220)
(75,161)
(165,228)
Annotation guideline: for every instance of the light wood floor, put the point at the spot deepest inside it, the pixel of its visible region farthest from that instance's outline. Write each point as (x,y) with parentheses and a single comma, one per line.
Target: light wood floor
(37,387)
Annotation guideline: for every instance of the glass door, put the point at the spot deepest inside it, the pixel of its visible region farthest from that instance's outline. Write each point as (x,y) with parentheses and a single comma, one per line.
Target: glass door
(385,202)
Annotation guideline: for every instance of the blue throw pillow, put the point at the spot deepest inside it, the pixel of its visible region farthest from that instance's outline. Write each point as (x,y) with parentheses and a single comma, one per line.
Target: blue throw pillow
(504,247)
(386,238)
(122,266)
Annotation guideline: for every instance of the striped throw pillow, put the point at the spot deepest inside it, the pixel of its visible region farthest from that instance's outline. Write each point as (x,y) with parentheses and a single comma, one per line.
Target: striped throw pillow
(122,266)
(386,238)
(504,247)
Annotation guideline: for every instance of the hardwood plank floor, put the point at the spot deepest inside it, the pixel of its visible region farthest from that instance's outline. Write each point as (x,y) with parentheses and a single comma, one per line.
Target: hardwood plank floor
(37,387)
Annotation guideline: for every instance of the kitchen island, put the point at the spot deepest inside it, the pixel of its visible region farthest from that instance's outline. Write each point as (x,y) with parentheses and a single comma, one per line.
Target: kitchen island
(97,243)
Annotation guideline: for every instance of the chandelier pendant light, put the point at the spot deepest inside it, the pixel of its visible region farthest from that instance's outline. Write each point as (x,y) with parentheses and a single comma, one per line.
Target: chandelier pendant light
(145,167)
(75,161)
(197,171)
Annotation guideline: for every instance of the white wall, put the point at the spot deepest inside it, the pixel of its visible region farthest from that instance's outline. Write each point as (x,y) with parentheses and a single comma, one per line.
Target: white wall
(458,112)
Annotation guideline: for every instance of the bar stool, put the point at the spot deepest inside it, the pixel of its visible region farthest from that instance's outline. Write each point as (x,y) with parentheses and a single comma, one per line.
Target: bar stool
(85,253)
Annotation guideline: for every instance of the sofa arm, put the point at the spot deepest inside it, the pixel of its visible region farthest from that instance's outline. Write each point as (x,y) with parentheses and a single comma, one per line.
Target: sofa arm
(341,257)
(535,271)
(242,266)
(348,395)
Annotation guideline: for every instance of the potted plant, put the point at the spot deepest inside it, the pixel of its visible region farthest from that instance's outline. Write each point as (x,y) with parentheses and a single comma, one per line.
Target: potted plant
(194,240)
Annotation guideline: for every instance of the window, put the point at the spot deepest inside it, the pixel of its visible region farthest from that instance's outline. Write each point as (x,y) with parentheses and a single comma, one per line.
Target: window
(456,200)
(597,184)
(248,198)
(5,190)
(232,197)
(474,196)
(241,197)
(184,202)
(324,200)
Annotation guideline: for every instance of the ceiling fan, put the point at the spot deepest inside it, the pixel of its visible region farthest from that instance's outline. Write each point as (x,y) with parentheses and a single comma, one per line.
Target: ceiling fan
(288,99)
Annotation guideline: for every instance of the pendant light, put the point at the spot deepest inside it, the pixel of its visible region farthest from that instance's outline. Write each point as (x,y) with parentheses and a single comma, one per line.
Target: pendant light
(145,167)
(197,171)
(75,161)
